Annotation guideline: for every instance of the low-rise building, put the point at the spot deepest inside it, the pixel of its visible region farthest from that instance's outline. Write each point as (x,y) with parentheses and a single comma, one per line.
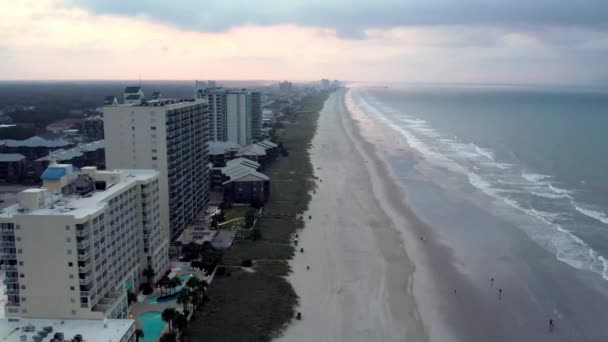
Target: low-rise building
(90,154)
(32,330)
(220,152)
(72,248)
(241,182)
(92,129)
(12,167)
(34,147)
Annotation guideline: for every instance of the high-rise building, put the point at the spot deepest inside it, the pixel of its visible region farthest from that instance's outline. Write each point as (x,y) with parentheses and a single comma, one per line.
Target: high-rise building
(170,136)
(92,129)
(71,248)
(234,115)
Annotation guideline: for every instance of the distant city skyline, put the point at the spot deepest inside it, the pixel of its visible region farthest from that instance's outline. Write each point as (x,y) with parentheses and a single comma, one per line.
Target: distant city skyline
(466,41)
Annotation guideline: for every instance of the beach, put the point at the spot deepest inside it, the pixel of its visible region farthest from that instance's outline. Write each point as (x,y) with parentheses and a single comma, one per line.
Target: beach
(380,273)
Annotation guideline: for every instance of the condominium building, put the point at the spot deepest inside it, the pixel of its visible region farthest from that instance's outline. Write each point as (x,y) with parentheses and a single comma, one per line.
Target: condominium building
(170,136)
(73,247)
(234,115)
(92,129)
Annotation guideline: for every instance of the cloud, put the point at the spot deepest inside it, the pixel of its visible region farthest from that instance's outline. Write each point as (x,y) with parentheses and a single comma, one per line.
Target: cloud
(352,18)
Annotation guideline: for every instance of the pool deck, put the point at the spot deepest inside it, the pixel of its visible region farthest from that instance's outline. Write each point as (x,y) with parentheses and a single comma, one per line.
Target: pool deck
(139,308)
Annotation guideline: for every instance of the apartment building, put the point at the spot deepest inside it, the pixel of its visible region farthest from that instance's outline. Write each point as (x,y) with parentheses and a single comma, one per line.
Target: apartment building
(71,248)
(234,115)
(170,136)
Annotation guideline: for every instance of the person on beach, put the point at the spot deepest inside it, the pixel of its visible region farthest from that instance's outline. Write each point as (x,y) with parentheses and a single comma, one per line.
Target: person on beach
(499,293)
(492,282)
(307,267)
(550,325)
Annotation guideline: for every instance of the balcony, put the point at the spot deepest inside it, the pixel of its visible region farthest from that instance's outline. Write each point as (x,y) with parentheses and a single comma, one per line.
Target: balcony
(8,267)
(84,257)
(7,243)
(8,255)
(85,280)
(11,279)
(82,232)
(9,231)
(11,291)
(83,244)
(84,269)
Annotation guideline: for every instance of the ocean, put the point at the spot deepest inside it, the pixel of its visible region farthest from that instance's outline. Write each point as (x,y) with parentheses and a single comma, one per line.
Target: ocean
(530,156)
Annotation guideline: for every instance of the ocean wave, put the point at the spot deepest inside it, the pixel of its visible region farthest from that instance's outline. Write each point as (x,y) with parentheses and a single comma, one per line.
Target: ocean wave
(549,195)
(599,216)
(501,181)
(560,190)
(534,177)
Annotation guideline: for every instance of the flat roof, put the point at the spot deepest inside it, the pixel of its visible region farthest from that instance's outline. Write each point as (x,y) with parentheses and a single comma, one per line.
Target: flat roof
(11,329)
(11,157)
(80,206)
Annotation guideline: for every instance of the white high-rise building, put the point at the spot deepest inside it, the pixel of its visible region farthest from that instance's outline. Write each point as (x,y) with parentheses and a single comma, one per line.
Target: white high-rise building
(170,136)
(234,115)
(72,248)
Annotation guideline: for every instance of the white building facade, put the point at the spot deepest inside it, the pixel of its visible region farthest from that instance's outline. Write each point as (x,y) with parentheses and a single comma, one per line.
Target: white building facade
(170,136)
(73,248)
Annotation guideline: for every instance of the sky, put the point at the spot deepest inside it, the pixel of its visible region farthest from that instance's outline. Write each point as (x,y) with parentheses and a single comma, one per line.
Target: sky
(558,42)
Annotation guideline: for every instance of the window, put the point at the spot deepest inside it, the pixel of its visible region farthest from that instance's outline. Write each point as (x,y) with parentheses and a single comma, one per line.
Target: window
(73,312)
(69,252)
(23,287)
(22,275)
(20,263)
(154,158)
(132,128)
(23,299)
(71,276)
(70,264)
(18,238)
(67,227)
(68,239)
(153,128)
(154,151)
(72,288)
(20,251)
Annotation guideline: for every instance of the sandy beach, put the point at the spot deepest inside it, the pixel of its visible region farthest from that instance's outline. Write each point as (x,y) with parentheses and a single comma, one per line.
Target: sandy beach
(372,278)
(359,286)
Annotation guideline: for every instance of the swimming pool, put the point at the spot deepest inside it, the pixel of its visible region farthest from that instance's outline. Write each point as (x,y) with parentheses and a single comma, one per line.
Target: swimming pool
(184,278)
(152,325)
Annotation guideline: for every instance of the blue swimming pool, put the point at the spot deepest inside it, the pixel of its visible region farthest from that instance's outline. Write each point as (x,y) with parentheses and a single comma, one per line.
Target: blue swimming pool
(184,278)
(152,325)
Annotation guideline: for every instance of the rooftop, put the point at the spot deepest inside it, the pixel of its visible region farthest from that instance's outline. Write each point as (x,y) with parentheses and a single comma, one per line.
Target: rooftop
(252,150)
(114,330)
(11,157)
(220,147)
(66,155)
(79,206)
(36,141)
(132,90)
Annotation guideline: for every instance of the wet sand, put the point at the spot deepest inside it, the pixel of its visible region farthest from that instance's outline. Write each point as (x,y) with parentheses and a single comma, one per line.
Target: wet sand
(371,278)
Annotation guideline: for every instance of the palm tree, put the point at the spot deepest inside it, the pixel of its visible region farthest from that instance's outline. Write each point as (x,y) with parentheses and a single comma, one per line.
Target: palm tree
(180,322)
(138,334)
(149,274)
(168,316)
(163,283)
(175,282)
(184,298)
(168,337)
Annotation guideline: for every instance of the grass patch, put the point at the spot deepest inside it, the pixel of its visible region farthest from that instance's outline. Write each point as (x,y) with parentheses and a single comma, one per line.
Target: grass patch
(235,212)
(258,306)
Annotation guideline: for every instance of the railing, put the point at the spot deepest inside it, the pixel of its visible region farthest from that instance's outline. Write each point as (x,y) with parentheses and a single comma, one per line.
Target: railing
(8,255)
(7,243)
(11,291)
(85,280)
(84,269)
(83,257)
(82,232)
(83,244)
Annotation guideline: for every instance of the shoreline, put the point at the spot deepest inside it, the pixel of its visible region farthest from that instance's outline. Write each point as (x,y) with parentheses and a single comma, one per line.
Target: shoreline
(364,238)
(339,236)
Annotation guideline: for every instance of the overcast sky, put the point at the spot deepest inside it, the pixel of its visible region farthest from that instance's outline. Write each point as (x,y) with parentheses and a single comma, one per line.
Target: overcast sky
(482,41)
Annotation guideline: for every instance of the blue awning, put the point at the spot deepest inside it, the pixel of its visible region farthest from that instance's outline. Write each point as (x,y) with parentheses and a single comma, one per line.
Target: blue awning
(53,173)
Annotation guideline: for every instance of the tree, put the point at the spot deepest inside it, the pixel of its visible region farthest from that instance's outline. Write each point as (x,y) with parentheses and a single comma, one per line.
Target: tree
(131,297)
(184,298)
(138,334)
(180,322)
(149,274)
(164,283)
(174,282)
(168,337)
(249,219)
(191,251)
(168,316)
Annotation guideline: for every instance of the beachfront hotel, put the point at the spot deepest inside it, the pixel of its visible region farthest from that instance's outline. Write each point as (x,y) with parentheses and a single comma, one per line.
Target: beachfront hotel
(234,115)
(168,135)
(72,248)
